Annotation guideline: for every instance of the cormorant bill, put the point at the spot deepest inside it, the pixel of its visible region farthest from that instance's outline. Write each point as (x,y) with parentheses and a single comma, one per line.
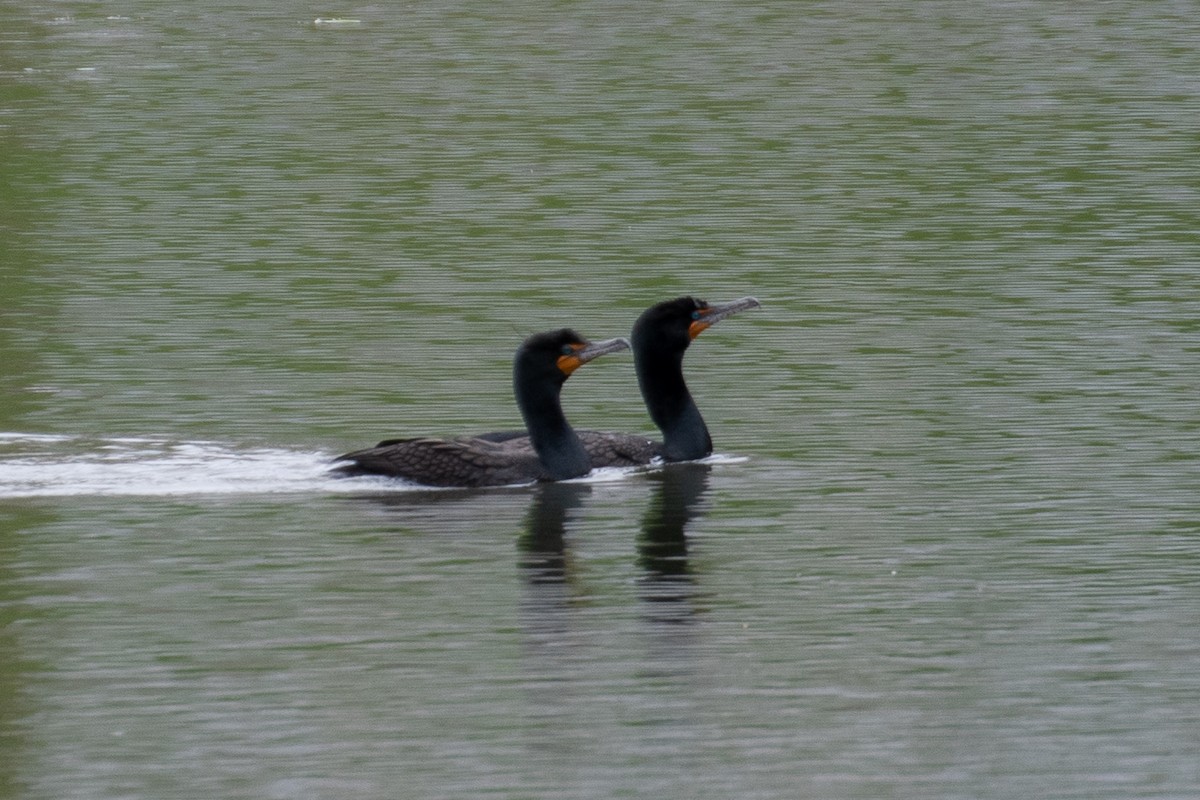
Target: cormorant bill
(542,365)
(660,337)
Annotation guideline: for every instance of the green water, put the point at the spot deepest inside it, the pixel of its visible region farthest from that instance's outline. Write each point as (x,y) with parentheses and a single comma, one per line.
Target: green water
(949,549)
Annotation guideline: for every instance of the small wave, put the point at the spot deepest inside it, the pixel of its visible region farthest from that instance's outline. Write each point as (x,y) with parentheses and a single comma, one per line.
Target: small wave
(724,458)
(18,438)
(614,474)
(44,465)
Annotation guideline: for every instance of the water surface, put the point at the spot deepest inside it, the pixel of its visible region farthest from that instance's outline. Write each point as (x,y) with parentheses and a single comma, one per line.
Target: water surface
(947,548)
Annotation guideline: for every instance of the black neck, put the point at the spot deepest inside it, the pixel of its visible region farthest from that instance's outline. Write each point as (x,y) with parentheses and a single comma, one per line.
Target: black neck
(660,376)
(558,448)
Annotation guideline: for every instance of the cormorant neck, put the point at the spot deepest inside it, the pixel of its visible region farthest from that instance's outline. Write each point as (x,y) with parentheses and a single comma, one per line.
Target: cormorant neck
(660,376)
(559,449)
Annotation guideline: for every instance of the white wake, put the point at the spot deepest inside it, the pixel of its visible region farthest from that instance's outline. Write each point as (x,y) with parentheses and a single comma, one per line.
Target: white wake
(51,465)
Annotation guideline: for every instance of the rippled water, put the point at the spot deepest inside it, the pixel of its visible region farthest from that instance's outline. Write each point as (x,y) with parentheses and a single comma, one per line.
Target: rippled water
(947,548)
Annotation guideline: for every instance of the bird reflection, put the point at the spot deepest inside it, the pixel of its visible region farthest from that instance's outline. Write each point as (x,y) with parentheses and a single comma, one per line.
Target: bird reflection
(667,584)
(543,558)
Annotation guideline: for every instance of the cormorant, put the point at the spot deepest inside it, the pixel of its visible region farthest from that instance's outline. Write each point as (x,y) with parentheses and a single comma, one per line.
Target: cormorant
(660,337)
(542,365)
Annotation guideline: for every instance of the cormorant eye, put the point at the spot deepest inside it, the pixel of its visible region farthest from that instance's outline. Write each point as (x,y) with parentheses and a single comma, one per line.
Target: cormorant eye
(567,350)
(695,315)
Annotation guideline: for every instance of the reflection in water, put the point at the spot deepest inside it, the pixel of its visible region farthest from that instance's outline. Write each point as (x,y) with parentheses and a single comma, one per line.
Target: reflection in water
(553,664)
(543,548)
(581,656)
(667,582)
(543,559)
(668,585)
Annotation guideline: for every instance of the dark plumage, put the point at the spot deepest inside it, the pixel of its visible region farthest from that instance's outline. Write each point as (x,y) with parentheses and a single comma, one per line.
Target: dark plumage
(541,367)
(660,337)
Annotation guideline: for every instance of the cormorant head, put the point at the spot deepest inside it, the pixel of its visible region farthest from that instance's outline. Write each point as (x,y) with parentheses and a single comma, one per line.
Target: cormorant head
(554,355)
(673,324)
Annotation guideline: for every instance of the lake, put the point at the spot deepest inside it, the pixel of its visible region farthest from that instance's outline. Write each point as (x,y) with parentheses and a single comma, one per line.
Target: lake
(947,547)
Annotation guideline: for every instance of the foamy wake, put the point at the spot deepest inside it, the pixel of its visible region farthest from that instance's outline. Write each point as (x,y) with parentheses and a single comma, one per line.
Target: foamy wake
(33,465)
(45,465)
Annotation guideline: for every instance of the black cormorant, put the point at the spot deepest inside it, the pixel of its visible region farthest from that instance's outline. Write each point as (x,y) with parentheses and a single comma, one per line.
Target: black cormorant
(542,365)
(660,337)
